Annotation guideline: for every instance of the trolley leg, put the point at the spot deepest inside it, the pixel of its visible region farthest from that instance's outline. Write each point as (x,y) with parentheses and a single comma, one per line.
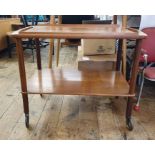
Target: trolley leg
(38,56)
(133,78)
(19,50)
(32,55)
(26,109)
(128,114)
(9,47)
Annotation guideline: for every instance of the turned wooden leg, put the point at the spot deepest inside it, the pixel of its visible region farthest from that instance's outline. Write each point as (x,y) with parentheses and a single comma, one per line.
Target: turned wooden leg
(58,51)
(128,114)
(133,84)
(8,46)
(26,109)
(23,80)
(119,55)
(50,53)
(38,54)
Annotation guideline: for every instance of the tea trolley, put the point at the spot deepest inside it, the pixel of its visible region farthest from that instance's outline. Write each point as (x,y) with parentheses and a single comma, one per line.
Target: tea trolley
(73,81)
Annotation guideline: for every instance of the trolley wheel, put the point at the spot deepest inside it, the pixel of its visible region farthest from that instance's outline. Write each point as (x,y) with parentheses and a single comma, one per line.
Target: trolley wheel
(129,124)
(136,108)
(27,120)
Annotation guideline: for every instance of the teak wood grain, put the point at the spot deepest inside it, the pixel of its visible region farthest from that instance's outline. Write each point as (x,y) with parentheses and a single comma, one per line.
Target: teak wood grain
(73,82)
(86,31)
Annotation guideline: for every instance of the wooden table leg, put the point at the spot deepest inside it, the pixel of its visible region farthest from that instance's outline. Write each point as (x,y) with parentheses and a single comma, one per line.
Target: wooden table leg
(115,19)
(51,50)
(124,26)
(133,84)
(124,51)
(128,114)
(119,54)
(38,53)
(22,73)
(8,46)
(38,57)
(58,51)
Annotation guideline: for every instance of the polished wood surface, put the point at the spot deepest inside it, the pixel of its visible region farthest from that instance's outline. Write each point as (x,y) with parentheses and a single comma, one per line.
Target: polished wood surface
(74,82)
(86,31)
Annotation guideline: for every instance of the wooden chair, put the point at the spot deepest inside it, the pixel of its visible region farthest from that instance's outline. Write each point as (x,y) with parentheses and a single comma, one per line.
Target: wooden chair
(148,59)
(52,21)
(68,42)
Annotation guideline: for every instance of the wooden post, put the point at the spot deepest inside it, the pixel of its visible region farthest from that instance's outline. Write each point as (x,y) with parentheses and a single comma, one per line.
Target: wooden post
(22,73)
(133,84)
(52,21)
(119,54)
(58,42)
(124,26)
(135,67)
(38,54)
(114,19)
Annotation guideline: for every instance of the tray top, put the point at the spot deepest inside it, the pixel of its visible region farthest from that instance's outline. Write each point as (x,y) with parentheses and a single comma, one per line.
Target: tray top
(70,81)
(87,31)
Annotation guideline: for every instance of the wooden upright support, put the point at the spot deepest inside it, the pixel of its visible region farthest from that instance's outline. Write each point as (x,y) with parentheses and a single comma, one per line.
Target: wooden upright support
(114,19)
(124,26)
(52,21)
(58,42)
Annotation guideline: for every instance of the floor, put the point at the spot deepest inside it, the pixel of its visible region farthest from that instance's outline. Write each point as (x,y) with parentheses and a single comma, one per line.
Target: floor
(68,117)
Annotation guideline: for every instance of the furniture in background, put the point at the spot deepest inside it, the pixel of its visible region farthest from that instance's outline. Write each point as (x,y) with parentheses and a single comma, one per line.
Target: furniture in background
(5,27)
(115,20)
(74,19)
(95,21)
(31,20)
(72,81)
(68,19)
(101,53)
(97,54)
(27,43)
(146,71)
(130,21)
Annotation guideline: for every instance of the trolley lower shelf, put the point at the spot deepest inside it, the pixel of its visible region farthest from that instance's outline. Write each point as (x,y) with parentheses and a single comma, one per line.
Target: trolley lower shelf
(74,82)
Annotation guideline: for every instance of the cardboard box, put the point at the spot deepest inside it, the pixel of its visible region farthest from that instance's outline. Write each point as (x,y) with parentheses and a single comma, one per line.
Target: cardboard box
(97,62)
(98,46)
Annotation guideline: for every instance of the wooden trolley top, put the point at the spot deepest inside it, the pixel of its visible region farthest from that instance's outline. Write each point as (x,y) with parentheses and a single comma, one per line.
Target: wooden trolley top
(87,31)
